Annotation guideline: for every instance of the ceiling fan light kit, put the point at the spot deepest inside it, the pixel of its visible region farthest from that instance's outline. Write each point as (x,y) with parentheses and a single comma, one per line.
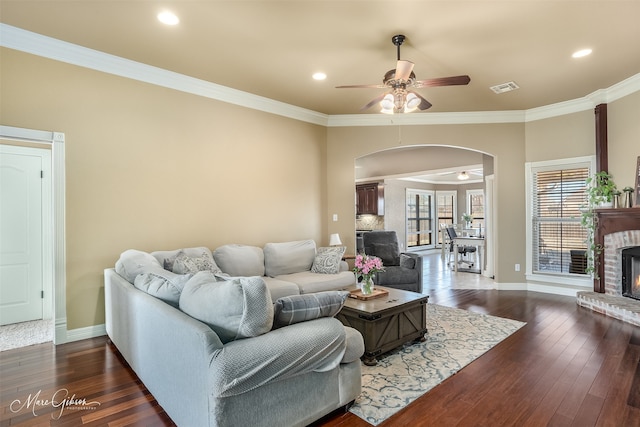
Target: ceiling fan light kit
(399,99)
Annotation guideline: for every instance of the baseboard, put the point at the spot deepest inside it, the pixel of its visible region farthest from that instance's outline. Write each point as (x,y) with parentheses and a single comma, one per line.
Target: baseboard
(64,336)
(565,290)
(511,286)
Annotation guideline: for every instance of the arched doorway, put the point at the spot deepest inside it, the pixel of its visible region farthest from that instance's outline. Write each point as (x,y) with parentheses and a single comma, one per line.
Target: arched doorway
(422,190)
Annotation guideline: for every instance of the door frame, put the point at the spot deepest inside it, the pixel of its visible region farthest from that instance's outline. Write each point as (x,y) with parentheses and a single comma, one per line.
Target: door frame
(490,211)
(56,218)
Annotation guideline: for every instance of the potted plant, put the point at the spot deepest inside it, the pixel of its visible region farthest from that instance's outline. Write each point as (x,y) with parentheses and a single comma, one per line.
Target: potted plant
(600,189)
(600,192)
(366,266)
(466,218)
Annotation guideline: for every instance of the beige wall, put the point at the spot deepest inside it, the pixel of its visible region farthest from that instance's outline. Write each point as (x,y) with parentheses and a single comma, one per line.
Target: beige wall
(152,168)
(571,135)
(624,139)
(504,141)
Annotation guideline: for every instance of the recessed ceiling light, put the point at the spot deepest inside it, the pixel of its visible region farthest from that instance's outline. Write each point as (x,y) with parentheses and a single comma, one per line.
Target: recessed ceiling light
(168,18)
(581,53)
(319,76)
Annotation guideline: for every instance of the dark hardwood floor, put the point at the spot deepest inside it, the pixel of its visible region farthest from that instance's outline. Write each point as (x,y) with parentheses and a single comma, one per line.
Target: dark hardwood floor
(566,367)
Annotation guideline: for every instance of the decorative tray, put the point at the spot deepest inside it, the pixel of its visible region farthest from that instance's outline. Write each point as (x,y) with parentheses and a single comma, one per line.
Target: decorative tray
(377,293)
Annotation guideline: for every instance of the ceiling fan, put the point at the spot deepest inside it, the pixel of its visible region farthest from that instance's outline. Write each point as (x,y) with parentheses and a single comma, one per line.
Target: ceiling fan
(399,98)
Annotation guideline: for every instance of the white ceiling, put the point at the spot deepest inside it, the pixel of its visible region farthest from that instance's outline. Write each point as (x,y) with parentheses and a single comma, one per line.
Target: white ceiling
(271,48)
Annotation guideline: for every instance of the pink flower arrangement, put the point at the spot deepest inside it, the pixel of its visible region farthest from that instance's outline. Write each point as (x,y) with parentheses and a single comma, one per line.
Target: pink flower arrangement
(366,265)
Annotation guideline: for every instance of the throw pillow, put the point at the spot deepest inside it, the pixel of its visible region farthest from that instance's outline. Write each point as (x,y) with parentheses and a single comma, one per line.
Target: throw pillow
(234,308)
(387,252)
(184,264)
(133,262)
(162,284)
(327,260)
(300,308)
(407,261)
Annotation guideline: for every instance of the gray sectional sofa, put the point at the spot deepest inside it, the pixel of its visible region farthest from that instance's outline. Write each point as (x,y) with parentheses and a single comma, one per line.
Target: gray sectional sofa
(243,336)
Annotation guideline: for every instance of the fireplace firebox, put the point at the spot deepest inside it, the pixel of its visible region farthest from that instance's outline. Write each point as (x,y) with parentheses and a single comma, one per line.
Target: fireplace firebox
(631,272)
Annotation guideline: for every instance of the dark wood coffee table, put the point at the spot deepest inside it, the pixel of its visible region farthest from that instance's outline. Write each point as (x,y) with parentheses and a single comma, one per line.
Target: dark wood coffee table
(386,322)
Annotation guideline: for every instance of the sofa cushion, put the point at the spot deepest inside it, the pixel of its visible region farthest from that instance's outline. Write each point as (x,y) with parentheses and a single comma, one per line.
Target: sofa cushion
(396,275)
(301,308)
(387,252)
(133,262)
(309,282)
(162,284)
(235,307)
(327,260)
(288,257)
(280,288)
(240,260)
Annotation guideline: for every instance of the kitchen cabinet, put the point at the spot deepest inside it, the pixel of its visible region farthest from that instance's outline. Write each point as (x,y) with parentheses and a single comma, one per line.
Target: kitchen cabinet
(370,199)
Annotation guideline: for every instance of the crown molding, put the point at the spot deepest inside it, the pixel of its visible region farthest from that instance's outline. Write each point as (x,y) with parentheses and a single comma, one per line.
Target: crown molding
(589,102)
(47,47)
(473,117)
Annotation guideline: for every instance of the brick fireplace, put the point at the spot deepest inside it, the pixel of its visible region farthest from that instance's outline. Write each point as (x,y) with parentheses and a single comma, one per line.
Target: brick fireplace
(617,229)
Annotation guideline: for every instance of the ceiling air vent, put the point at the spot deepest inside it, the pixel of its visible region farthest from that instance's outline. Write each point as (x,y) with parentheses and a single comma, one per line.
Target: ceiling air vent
(504,87)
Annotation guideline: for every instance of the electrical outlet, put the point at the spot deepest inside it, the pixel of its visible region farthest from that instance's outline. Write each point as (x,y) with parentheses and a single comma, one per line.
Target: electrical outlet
(517,267)
(335,217)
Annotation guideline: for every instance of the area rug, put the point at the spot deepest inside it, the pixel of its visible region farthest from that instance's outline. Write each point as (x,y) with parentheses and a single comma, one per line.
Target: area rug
(456,338)
(26,333)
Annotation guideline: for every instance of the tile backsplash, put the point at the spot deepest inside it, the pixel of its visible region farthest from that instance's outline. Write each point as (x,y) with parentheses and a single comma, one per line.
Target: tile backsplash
(369,222)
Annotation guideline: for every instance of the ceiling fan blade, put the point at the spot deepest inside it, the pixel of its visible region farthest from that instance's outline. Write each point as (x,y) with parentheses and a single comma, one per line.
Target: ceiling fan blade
(424,104)
(403,70)
(443,81)
(374,101)
(361,86)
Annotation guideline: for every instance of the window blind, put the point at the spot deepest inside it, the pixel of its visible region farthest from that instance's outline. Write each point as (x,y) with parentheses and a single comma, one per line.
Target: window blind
(559,240)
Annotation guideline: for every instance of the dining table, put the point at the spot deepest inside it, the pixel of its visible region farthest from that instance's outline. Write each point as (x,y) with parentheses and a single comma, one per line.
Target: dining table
(478,242)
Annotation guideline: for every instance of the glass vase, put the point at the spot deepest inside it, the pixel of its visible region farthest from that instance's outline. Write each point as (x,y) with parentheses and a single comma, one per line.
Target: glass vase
(367,285)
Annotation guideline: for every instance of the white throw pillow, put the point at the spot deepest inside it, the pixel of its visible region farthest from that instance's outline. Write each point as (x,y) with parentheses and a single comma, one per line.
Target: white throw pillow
(235,307)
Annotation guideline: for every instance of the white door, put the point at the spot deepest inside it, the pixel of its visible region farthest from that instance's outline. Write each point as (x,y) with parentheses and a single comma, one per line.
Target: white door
(21,237)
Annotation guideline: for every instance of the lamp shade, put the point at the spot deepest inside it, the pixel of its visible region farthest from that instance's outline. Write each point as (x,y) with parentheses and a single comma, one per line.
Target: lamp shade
(334,240)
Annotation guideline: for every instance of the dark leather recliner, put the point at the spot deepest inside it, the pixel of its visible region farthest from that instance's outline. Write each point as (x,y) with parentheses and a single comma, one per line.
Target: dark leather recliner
(402,270)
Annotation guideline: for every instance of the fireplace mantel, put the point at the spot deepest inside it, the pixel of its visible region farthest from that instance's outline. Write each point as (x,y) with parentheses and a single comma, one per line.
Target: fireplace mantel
(612,221)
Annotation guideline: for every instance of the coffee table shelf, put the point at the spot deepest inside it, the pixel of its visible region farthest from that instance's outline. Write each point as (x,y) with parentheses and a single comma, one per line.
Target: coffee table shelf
(388,322)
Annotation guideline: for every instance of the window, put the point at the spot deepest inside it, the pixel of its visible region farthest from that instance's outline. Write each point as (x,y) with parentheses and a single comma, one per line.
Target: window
(555,238)
(446,209)
(419,218)
(475,207)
